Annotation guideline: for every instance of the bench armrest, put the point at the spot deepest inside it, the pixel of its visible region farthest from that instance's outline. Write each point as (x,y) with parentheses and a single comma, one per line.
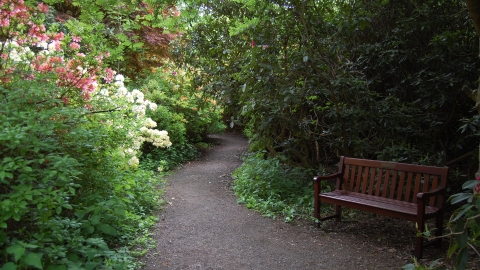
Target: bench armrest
(327,177)
(434,192)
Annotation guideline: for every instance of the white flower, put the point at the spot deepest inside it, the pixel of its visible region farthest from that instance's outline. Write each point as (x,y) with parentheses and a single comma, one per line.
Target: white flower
(43,45)
(152,106)
(130,151)
(122,91)
(137,144)
(118,84)
(119,78)
(133,162)
(129,98)
(150,123)
(51,47)
(104,92)
(139,110)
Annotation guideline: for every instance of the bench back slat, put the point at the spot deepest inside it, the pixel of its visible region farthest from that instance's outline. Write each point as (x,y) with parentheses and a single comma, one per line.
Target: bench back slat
(393,186)
(379,182)
(409,187)
(434,186)
(417,187)
(366,172)
(401,186)
(371,171)
(392,180)
(360,173)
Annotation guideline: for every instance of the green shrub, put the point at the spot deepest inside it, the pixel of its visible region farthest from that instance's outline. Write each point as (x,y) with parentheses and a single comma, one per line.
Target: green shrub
(273,188)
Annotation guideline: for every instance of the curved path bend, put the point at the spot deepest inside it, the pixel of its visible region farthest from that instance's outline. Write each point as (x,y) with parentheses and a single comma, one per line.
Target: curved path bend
(203,227)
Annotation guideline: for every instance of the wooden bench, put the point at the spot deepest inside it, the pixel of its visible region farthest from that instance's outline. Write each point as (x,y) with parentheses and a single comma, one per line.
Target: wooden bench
(410,192)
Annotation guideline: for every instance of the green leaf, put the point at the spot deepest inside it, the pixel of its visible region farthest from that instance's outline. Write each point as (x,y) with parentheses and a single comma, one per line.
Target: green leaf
(57,267)
(17,251)
(107,229)
(119,266)
(463,210)
(95,219)
(90,265)
(455,198)
(9,266)
(462,239)
(26,245)
(434,264)
(462,259)
(80,214)
(470,184)
(409,266)
(452,250)
(34,259)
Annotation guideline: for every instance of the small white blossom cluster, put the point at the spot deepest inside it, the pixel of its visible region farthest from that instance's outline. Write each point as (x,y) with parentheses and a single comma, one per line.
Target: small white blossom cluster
(142,129)
(17,53)
(158,138)
(133,162)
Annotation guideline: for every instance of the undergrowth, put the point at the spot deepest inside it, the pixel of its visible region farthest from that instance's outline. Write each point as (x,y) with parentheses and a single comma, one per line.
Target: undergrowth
(273,188)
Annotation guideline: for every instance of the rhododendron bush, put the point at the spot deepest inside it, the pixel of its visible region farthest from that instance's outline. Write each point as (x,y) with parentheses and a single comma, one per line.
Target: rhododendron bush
(71,189)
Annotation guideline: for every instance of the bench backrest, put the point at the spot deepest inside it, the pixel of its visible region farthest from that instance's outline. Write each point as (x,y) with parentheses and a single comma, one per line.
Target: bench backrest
(392,180)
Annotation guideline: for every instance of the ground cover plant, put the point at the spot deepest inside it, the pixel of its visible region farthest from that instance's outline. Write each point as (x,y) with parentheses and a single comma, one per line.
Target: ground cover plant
(273,188)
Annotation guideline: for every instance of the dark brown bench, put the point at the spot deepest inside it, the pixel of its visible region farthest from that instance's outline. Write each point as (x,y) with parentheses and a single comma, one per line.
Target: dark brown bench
(410,192)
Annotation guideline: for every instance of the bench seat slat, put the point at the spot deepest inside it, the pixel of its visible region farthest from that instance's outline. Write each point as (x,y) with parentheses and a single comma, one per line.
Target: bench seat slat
(400,209)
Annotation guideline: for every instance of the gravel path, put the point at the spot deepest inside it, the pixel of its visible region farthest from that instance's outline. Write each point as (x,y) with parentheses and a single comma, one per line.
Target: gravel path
(203,227)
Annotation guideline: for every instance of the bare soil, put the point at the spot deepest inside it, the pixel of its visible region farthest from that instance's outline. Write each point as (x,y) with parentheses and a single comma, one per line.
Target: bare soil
(203,227)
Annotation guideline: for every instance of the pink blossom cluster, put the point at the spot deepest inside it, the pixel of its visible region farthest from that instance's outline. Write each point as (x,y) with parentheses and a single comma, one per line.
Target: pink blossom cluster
(72,73)
(476,189)
(14,13)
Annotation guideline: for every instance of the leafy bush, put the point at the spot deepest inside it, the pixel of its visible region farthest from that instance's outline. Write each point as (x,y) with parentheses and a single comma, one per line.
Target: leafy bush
(71,193)
(273,188)
(463,230)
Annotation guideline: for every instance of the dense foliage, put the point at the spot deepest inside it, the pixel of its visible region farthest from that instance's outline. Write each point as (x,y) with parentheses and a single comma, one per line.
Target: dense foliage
(312,80)
(73,193)
(308,81)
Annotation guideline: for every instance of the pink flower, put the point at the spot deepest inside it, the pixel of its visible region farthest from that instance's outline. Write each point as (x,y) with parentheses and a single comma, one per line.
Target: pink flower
(43,8)
(109,73)
(476,189)
(76,39)
(74,46)
(65,100)
(4,22)
(252,44)
(58,36)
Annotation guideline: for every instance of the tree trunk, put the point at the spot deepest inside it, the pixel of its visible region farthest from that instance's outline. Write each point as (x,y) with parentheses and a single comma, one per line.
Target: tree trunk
(474,11)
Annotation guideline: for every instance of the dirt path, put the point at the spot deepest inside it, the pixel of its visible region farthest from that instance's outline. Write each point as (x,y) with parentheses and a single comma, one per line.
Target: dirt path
(204,228)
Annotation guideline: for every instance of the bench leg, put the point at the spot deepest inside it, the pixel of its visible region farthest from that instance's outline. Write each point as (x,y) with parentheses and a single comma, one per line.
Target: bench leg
(419,239)
(338,212)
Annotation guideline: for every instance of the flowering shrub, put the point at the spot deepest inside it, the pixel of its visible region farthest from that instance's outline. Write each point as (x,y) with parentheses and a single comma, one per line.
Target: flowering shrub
(72,194)
(184,112)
